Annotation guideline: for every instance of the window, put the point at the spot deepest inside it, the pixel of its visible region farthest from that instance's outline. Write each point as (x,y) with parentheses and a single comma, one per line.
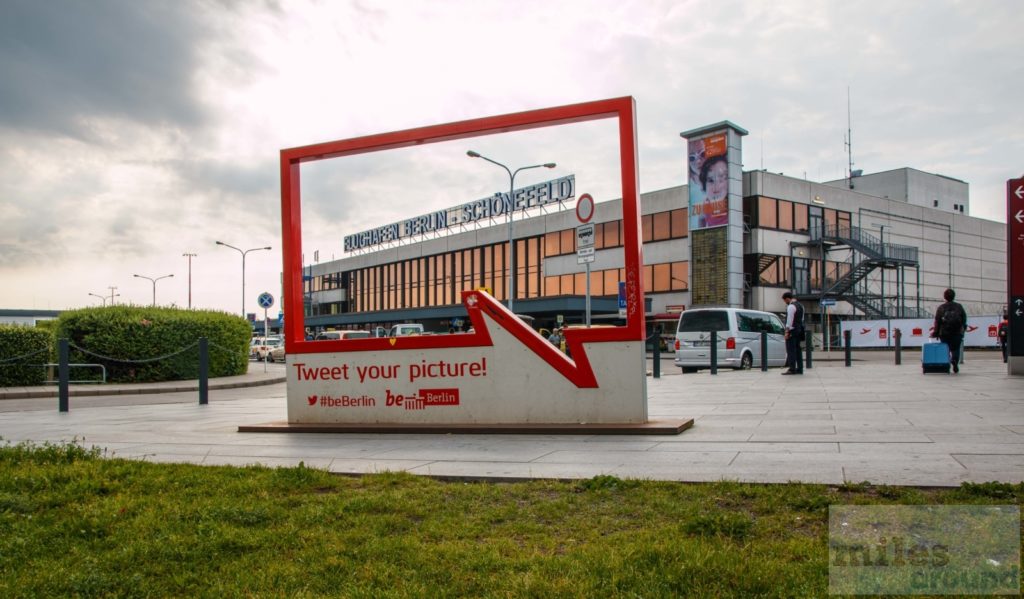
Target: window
(647,227)
(611,282)
(766,213)
(785,215)
(680,224)
(661,227)
(703,321)
(568,241)
(662,278)
(800,217)
(612,237)
(552,244)
(680,276)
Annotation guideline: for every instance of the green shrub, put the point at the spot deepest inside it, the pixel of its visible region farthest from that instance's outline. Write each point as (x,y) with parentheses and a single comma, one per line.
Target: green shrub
(23,350)
(144,344)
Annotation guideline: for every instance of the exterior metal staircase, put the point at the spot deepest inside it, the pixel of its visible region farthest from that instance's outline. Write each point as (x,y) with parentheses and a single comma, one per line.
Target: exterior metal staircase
(870,253)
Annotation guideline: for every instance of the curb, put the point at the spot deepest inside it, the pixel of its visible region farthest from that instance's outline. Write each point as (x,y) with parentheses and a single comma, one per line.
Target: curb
(138,390)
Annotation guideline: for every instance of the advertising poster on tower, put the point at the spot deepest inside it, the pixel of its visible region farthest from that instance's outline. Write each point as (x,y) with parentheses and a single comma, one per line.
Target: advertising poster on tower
(708,181)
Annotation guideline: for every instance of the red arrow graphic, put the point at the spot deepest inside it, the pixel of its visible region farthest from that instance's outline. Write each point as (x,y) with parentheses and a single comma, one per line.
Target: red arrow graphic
(576,369)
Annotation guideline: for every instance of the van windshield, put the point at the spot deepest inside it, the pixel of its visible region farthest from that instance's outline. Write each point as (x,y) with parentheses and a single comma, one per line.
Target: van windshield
(704,321)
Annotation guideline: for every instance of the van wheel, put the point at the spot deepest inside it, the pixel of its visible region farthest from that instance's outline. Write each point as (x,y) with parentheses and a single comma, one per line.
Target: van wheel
(688,370)
(746,361)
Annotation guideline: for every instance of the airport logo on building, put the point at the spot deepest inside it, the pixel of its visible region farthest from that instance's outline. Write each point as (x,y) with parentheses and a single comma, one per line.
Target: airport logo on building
(542,194)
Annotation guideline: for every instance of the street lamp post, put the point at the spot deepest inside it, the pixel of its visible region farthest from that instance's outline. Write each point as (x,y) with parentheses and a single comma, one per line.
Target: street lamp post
(511,199)
(153,281)
(103,298)
(243,253)
(189,256)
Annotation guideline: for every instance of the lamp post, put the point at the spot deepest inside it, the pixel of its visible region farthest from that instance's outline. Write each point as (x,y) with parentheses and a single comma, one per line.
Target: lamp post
(511,199)
(243,253)
(153,281)
(189,256)
(103,298)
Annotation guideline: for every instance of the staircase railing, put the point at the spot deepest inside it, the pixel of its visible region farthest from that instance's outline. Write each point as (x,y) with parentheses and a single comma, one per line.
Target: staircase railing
(865,243)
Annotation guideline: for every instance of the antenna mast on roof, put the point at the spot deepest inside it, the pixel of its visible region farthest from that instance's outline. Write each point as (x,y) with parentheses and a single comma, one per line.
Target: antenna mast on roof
(848,142)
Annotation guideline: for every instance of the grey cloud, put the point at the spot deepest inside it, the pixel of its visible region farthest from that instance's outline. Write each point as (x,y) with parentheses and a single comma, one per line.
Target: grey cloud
(65,61)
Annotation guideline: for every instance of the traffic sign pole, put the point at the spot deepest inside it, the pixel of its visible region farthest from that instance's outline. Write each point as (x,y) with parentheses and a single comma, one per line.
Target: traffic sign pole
(1015,274)
(585,242)
(265,300)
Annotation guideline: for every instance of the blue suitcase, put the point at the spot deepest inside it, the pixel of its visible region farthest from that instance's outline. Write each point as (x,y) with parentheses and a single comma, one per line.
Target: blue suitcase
(935,357)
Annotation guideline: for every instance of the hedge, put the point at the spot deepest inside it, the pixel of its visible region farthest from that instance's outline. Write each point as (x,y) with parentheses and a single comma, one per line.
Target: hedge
(23,350)
(144,344)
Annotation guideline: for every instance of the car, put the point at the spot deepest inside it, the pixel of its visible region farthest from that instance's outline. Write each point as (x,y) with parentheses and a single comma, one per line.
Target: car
(261,350)
(342,335)
(276,354)
(739,338)
(405,329)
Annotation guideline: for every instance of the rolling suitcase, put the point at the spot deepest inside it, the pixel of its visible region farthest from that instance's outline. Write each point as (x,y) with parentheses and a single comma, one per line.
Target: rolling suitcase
(935,357)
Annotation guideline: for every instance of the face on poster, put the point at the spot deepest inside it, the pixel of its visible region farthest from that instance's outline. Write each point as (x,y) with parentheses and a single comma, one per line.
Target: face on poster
(708,181)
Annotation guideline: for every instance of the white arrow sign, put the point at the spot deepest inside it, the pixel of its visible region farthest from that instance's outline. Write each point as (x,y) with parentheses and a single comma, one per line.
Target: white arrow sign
(1019,216)
(1019,192)
(1019,302)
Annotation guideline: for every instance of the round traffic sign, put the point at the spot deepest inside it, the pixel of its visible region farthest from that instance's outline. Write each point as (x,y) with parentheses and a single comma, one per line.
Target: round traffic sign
(585,208)
(265,300)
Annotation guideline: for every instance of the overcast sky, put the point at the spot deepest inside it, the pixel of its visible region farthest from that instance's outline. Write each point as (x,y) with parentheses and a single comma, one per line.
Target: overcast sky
(132,132)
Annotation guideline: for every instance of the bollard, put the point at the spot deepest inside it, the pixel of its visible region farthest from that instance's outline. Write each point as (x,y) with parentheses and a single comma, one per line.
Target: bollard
(714,352)
(657,355)
(846,344)
(764,351)
(808,349)
(898,337)
(204,371)
(63,374)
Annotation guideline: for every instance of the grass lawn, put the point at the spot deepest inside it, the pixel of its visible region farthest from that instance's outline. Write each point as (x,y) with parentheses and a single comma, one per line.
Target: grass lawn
(73,523)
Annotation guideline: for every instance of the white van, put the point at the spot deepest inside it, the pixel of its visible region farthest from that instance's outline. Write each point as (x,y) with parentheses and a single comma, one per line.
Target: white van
(739,338)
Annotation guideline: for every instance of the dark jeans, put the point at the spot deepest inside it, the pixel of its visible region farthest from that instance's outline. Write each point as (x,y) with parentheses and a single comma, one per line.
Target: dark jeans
(954,342)
(794,357)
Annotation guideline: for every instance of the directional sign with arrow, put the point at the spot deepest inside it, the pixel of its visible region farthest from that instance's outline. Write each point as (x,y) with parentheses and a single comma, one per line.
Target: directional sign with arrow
(1015,265)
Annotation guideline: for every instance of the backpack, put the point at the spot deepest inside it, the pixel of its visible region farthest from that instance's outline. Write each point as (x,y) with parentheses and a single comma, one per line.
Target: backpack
(952,319)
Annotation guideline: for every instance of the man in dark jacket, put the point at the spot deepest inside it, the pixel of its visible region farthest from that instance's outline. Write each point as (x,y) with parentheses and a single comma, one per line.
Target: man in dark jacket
(950,324)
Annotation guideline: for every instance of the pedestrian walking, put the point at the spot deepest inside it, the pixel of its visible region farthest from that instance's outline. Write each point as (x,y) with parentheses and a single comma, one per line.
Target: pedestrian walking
(949,327)
(794,334)
(1004,334)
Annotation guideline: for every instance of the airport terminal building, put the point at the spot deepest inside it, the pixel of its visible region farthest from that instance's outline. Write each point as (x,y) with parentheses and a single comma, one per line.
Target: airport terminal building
(883,245)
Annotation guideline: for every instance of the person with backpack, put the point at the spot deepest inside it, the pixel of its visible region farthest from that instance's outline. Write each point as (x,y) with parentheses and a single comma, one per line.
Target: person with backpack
(794,334)
(1004,333)
(950,324)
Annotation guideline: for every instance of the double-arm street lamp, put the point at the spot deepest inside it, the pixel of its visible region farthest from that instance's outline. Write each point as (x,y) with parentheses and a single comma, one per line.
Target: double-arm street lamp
(153,281)
(511,198)
(103,298)
(243,253)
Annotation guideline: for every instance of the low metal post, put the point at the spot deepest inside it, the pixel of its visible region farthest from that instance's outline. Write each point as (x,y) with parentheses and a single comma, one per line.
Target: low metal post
(764,351)
(714,352)
(808,349)
(657,354)
(63,373)
(204,371)
(898,336)
(846,346)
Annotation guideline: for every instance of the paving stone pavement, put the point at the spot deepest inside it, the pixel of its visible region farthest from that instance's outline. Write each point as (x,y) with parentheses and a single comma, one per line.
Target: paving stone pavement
(873,422)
